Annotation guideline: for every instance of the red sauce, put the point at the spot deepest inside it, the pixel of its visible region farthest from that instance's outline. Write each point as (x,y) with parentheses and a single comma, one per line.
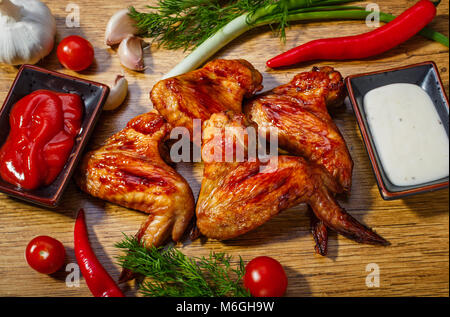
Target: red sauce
(43,127)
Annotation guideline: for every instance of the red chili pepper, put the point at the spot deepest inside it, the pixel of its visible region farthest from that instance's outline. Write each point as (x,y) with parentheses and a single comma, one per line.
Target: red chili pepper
(43,125)
(364,45)
(97,279)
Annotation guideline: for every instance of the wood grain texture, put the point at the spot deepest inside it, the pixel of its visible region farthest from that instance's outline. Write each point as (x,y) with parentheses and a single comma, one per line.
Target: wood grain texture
(416,264)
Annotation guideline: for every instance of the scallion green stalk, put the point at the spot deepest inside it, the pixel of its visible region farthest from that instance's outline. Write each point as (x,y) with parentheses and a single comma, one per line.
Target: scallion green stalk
(209,47)
(297,11)
(355,14)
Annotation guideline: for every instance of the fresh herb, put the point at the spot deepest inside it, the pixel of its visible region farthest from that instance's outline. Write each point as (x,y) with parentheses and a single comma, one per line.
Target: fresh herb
(209,25)
(183,24)
(169,272)
(175,24)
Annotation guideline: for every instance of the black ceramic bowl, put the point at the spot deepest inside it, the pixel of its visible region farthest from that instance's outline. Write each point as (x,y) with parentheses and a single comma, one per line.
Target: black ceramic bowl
(32,78)
(424,75)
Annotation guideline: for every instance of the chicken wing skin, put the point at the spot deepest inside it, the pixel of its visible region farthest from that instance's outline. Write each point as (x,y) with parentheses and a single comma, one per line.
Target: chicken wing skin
(320,234)
(128,170)
(299,111)
(236,197)
(220,85)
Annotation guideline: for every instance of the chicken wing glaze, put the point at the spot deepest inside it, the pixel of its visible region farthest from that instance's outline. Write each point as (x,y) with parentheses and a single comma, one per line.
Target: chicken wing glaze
(236,197)
(299,111)
(128,170)
(220,85)
(319,232)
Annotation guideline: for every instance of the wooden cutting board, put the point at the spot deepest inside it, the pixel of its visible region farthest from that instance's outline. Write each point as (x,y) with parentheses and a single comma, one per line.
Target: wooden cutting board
(416,264)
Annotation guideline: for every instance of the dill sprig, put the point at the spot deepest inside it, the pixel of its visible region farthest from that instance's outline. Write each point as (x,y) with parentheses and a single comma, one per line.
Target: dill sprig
(184,24)
(169,272)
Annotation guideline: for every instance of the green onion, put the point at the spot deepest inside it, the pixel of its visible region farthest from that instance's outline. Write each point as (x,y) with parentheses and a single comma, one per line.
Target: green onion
(278,12)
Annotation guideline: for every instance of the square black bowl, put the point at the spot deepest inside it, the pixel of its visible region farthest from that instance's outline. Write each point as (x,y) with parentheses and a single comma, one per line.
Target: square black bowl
(31,78)
(424,75)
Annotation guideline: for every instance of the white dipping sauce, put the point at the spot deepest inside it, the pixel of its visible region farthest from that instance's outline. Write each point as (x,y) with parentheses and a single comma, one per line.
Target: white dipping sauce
(409,136)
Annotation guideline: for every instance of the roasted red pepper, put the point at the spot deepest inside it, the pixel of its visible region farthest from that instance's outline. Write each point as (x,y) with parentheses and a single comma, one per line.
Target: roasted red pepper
(97,279)
(43,127)
(364,45)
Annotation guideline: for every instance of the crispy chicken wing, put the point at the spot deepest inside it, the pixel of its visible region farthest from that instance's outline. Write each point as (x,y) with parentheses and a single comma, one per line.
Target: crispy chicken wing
(220,85)
(299,111)
(129,171)
(236,197)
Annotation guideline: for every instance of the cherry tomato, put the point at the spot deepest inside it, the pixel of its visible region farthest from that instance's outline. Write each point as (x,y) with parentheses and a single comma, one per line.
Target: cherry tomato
(45,254)
(75,53)
(265,277)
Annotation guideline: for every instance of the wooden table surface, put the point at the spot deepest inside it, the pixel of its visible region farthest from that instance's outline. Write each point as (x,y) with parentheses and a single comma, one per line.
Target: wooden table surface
(416,263)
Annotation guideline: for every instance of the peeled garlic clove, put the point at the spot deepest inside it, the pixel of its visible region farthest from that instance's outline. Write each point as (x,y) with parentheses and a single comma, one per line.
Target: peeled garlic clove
(119,26)
(117,94)
(131,53)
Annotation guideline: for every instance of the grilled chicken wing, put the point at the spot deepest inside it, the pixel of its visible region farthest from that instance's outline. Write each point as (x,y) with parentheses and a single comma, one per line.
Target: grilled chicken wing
(129,171)
(220,85)
(299,111)
(236,197)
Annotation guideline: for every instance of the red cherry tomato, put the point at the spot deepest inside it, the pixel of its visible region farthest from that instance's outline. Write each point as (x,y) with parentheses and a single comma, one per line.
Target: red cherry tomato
(45,254)
(265,277)
(75,53)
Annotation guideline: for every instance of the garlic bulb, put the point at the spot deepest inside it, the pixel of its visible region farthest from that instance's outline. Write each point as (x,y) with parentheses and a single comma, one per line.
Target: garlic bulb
(131,54)
(27,31)
(117,94)
(119,26)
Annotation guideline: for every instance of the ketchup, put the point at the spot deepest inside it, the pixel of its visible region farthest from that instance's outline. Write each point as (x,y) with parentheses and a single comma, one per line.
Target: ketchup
(43,127)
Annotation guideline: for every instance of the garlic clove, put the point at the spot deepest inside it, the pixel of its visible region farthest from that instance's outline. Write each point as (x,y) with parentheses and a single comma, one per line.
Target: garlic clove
(131,54)
(119,26)
(117,94)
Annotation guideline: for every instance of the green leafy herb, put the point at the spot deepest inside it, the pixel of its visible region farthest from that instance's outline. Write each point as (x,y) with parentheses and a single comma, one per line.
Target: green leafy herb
(169,272)
(182,24)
